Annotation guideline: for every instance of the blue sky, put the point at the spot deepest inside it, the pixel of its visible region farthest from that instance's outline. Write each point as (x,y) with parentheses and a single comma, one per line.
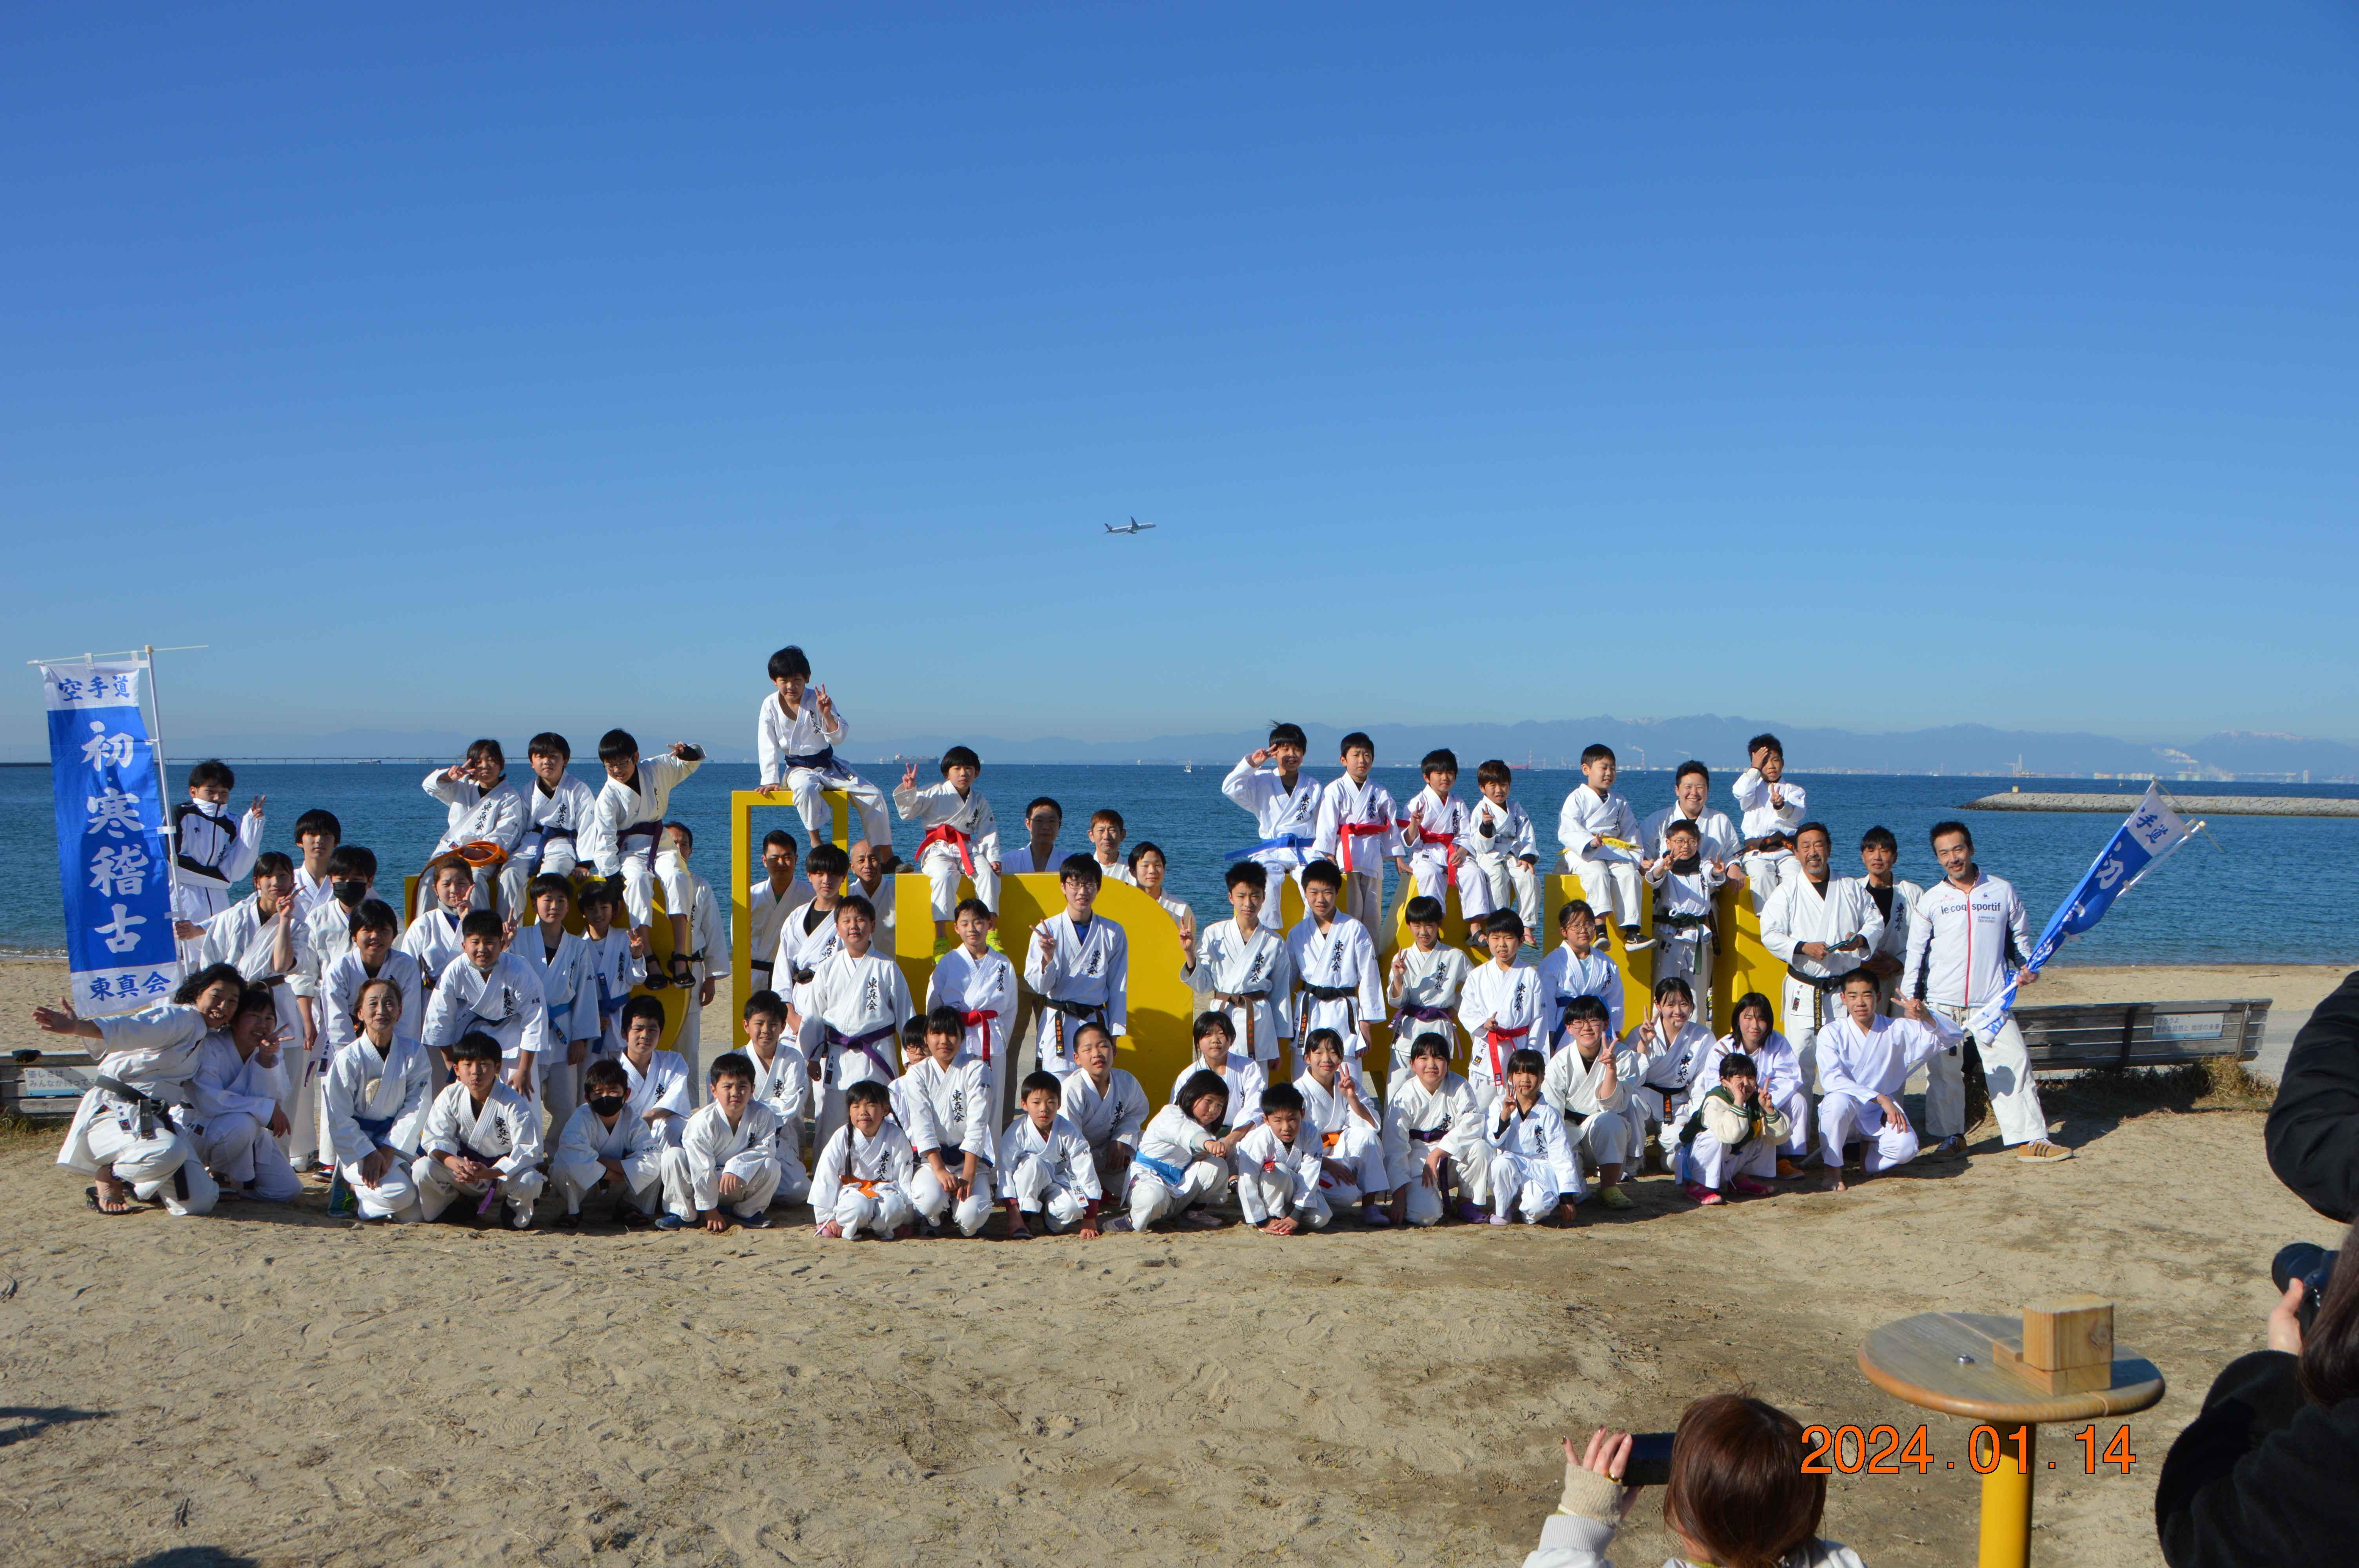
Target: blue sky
(465,370)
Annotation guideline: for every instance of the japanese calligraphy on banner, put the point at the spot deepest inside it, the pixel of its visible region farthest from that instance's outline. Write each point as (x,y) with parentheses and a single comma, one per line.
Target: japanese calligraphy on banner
(111,851)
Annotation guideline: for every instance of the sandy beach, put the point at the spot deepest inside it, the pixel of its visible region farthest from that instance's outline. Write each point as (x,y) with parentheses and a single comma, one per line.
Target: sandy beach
(280,1387)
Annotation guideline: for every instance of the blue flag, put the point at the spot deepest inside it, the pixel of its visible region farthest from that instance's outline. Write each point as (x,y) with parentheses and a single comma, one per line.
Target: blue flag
(2152,832)
(111,853)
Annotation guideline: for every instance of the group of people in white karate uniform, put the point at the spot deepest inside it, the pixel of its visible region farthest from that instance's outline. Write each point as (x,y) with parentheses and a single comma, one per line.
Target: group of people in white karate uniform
(477,1049)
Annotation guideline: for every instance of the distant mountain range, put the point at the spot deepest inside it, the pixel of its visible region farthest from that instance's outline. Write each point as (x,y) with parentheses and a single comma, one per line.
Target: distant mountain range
(1715,739)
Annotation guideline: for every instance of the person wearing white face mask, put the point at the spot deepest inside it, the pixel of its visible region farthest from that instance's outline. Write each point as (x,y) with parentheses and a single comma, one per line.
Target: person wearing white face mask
(211,854)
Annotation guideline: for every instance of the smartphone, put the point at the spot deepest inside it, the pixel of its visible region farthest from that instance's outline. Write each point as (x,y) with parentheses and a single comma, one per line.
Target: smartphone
(1650,1459)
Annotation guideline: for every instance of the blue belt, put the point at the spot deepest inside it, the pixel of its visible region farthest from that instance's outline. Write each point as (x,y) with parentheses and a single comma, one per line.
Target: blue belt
(1295,843)
(377,1127)
(820,761)
(1172,1174)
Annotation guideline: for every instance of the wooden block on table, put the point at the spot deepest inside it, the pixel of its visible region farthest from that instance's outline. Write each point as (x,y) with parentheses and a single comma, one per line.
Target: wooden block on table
(2008,1357)
(2069,1332)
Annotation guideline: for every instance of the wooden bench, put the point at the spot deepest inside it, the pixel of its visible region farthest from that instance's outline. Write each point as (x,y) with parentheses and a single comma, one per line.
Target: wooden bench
(2084,1035)
(34,1092)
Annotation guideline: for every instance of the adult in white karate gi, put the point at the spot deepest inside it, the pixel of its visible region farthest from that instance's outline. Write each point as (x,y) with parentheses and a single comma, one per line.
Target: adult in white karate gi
(1077,967)
(1244,968)
(130,1132)
(779,894)
(1865,1062)
(1433,1134)
(1820,926)
(728,1159)
(602,1141)
(1774,811)
(373,1106)
(372,956)
(960,835)
(1270,784)
(795,741)
(1967,932)
(482,1139)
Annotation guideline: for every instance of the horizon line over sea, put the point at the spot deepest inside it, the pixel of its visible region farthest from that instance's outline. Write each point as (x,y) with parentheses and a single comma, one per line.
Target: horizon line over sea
(2224,899)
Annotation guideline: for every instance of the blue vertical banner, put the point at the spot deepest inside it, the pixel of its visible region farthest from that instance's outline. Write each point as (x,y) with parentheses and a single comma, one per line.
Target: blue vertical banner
(112,854)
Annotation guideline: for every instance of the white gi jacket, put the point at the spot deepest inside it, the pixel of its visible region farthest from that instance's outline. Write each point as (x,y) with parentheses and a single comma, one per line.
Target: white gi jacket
(1358,825)
(1089,975)
(1799,912)
(1512,1002)
(433,940)
(242,935)
(1717,839)
(766,909)
(662,1085)
(1894,944)
(152,1052)
(1332,1116)
(621,808)
(807,939)
(1431,826)
(783,1083)
(504,1132)
(852,1030)
(376,1099)
(614,971)
(957,827)
(1571,1084)
(1062,1148)
(631,1142)
(1588,818)
(984,990)
(1245,1078)
(225,1082)
(1428,994)
(1259,1150)
(496,814)
(1259,966)
(1286,819)
(340,995)
(1775,1067)
(505,1004)
(1113,1115)
(885,1160)
(957,1102)
(569,988)
(1416,1119)
(560,815)
(778,737)
(1341,959)
(714,1147)
(1537,1135)
(1565,975)
(1510,832)
(1169,1145)
(1862,1063)
(1668,1066)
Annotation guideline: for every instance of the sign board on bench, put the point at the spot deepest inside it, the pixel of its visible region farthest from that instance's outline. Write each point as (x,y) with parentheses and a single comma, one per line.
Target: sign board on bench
(2141,1034)
(42,1091)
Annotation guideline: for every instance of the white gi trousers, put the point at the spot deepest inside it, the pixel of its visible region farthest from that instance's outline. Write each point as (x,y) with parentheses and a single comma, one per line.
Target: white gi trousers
(1275,1194)
(1038,1189)
(555,857)
(1806,1008)
(942,873)
(574,1180)
(881,1215)
(1152,1198)
(395,1196)
(1609,1138)
(809,786)
(2006,1068)
(1708,1162)
(1515,1183)
(238,1149)
(1424,1206)
(1686,951)
(1611,888)
(680,1181)
(438,1189)
(1364,898)
(1841,1116)
(1763,869)
(930,1198)
(1362,1147)
(151,1163)
(1487,883)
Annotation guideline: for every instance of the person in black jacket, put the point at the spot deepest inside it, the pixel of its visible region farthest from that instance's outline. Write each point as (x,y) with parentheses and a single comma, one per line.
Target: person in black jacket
(2314,1131)
(2264,1475)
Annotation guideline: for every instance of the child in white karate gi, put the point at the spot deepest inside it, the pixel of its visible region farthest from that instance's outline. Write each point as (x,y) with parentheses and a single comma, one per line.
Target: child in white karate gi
(658,1079)
(979,981)
(795,741)
(1052,1180)
(961,836)
(211,854)
(1774,812)
(1242,965)
(1339,984)
(1422,986)
(781,1081)
(616,965)
(482,1140)
(350,877)
(1277,1166)
(1576,968)
(955,1149)
(1245,1076)
(480,807)
(862,1179)
(1865,1061)
(1731,1138)
(373,930)
(1269,784)
(1600,834)
(234,1091)
(1534,1166)
(708,940)
(489,989)
(854,1011)
(1500,1006)
(1665,1052)
(1077,968)
(1431,828)
(1588,1082)
(373,1108)
(1358,827)
(626,830)
(1433,1136)
(1684,883)
(563,963)
(264,936)
(1181,1167)
(728,1159)
(432,935)
(1105,1106)
(1500,866)
(1148,865)
(1352,1168)
(558,809)
(602,1148)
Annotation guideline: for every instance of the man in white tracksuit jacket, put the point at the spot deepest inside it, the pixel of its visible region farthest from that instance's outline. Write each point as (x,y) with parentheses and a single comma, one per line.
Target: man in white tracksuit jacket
(1959,940)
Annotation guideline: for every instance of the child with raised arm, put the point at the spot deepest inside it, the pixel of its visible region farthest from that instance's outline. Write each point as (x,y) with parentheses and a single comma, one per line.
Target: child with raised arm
(1433,1135)
(1358,827)
(781,1081)
(953,1182)
(1052,1181)
(1269,784)
(1277,1167)
(1600,834)
(1684,883)
(728,1159)
(480,807)
(602,1148)
(370,955)
(211,854)
(1667,1052)
(779,894)
(626,829)
(373,1108)
(1577,968)
(854,1013)
(1242,965)
(1245,1076)
(557,811)
(862,1179)
(1500,1006)
(488,990)
(961,836)
(1078,969)
(1588,1082)
(1182,1166)
(795,741)
(1534,1166)
(1422,986)
(129,1131)
(1773,813)
(1353,1168)
(482,1138)
(564,965)
(266,938)
(1106,833)
(1105,1106)
(1338,983)
(1500,864)
(235,1094)
(1043,821)
(1732,1136)
(1436,821)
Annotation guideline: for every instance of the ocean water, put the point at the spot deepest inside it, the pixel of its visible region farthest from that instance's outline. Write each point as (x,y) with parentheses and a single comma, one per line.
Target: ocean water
(2256,895)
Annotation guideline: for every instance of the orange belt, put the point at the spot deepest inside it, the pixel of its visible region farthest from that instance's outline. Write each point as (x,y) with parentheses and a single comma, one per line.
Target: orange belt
(867,1189)
(943,832)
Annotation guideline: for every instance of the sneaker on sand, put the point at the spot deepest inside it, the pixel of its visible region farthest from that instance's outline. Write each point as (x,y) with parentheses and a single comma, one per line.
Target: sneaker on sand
(1750,1188)
(1118,1226)
(1786,1170)
(2040,1152)
(670,1222)
(1634,941)
(1949,1148)
(1614,1197)
(1698,1193)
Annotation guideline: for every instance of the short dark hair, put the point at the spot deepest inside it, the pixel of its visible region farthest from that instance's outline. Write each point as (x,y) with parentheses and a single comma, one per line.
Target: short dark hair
(790,662)
(1879,838)
(1108,815)
(617,746)
(597,890)
(482,923)
(1251,873)
(1767,739)
(1682,825)
(1596,751)
(768,1003)
(1424,910)
(1080,868)
(1087,1027)
(1324,873)
(1574,906)
(972,907)
(729,1065)
(1356,740)
(827,859)
(1201,1082)
(1441,759)
(211,771)
(1429,1044)
(373,914)
(856,904)
(1282,1096)
(477,750)
(1851,975)
(1674,985)
(945,1021)
(640,1007)
(351,860)
(318,821)
(272,863)
(1690,767)
(1038,1083)
(548,882)
(778,838)
(868,1091)
(605,1070)
(1213,1021)
(1528,1060)
(1736,1063)
(1495,771)
(1322,1040)
(1145,847)
(1739,1486)
(475,1046)
(1815,826)
(549,743)
(1282,733)
(1589,1007)
(959,757)
(1038,801)
(212,974)
(1505,920)
(256,1001)
(1943,829)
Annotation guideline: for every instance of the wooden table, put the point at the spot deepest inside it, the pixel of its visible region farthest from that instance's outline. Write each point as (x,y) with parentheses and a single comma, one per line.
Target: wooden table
(1943,1361)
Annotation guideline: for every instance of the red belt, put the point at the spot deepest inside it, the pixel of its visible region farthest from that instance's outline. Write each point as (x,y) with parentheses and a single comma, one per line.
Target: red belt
(1492,1038)
(982,1017)
(1348,831)
(943,832)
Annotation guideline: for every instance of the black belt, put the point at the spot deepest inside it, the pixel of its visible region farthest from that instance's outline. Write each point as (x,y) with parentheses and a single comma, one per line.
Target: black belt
(1429,1134)
(151,1109)
(1330,993)
(1683,922)
(1080,1009)
(1819,983)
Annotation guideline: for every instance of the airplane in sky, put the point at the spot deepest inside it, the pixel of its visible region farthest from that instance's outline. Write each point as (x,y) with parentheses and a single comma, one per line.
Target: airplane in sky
(1136,527)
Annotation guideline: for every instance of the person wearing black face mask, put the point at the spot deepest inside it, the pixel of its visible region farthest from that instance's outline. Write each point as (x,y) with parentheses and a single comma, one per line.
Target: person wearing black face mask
(1684,883)
(328,929)
(604,1149)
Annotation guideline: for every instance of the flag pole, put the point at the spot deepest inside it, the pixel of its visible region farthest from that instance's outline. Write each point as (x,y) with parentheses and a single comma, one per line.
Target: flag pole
(163,785)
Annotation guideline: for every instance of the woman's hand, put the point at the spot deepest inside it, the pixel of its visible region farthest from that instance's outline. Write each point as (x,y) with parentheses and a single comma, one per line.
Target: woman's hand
(2285,1321)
